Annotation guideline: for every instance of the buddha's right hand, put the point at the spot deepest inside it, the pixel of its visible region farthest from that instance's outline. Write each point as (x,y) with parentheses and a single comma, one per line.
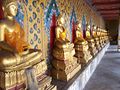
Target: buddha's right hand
(25,46)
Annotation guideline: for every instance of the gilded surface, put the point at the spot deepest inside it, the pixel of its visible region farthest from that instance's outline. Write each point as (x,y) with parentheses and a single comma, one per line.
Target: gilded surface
(90,41)
(17,60)
(64,63)
(81,46)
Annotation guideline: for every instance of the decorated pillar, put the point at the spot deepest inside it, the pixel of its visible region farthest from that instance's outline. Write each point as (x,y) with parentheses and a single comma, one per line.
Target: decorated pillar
(84,26)
(73,20)
(119,35)
(91,28)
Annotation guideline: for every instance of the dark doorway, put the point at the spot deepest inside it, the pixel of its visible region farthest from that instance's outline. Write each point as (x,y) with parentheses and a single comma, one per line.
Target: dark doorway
(112,27)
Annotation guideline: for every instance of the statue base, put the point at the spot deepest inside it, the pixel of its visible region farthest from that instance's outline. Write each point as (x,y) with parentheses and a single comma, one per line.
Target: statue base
(97,43)
(24,73)
(64,63)
(65,75)
(82,53)
(45,83)
(92,48)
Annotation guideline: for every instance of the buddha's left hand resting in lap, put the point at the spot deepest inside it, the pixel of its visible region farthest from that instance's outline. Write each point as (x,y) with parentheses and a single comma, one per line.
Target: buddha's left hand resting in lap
(12,42)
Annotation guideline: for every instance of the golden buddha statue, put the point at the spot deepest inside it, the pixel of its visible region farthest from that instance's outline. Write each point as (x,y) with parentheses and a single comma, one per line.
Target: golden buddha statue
(12,42)
(81,47)
(61,38)
(90,40)
(104,37)
(101,37)
(96,39)
(15,55)
(64,63)
(94,31)
(79,35)
(88,36)
(11,32)
(60,30)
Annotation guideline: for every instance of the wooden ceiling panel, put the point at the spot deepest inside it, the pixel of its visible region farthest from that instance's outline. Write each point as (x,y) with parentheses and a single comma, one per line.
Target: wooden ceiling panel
(117,5)
(106,2)
(101,1)
(109,9)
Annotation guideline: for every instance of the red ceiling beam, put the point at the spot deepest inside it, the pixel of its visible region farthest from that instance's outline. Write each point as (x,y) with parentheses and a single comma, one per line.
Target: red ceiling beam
(117,5)
(107,6)
(109,19)
(110,16)
(112,11)
(108,9)
(106,2)
(114,15)
(103,0)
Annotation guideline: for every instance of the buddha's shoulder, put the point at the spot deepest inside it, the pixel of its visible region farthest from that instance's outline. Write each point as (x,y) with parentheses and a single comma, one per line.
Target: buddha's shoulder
(2,21)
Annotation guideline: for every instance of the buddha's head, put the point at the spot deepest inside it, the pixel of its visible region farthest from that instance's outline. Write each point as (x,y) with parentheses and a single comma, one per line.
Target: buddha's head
(60,20)
(78,25)
(87,26)
(94,30)
(10,7)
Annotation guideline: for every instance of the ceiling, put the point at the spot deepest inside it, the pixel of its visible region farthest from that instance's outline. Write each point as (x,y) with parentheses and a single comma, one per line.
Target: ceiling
(108,9)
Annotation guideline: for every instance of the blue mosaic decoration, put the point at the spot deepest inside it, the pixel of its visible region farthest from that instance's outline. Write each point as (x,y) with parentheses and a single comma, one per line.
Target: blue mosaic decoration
(39,41)
(35,26)
(36,47)
(38,20)
(20,15)
(31,30)
(84,25)
(34,3)
(35,37)
(30,19)
(38,31)
(30,8)
(26,2)
(42,5)
(72,17)
(52,7)
(34,15)
(38,9)
(31,42)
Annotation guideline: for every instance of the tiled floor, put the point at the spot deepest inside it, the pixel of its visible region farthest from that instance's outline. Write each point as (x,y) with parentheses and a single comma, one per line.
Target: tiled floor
(107,74)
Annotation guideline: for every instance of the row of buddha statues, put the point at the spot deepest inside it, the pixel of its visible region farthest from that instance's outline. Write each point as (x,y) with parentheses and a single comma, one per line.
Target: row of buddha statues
(69,58)
(22,68)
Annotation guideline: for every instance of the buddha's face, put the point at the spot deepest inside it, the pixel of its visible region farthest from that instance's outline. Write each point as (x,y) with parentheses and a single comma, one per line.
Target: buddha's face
(62,20)
(94,33)
(95,28)
(11,9)
(88,27)
(78,26)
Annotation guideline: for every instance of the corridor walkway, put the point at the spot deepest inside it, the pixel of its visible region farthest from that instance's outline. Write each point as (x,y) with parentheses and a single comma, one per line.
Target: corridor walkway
(107,74)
